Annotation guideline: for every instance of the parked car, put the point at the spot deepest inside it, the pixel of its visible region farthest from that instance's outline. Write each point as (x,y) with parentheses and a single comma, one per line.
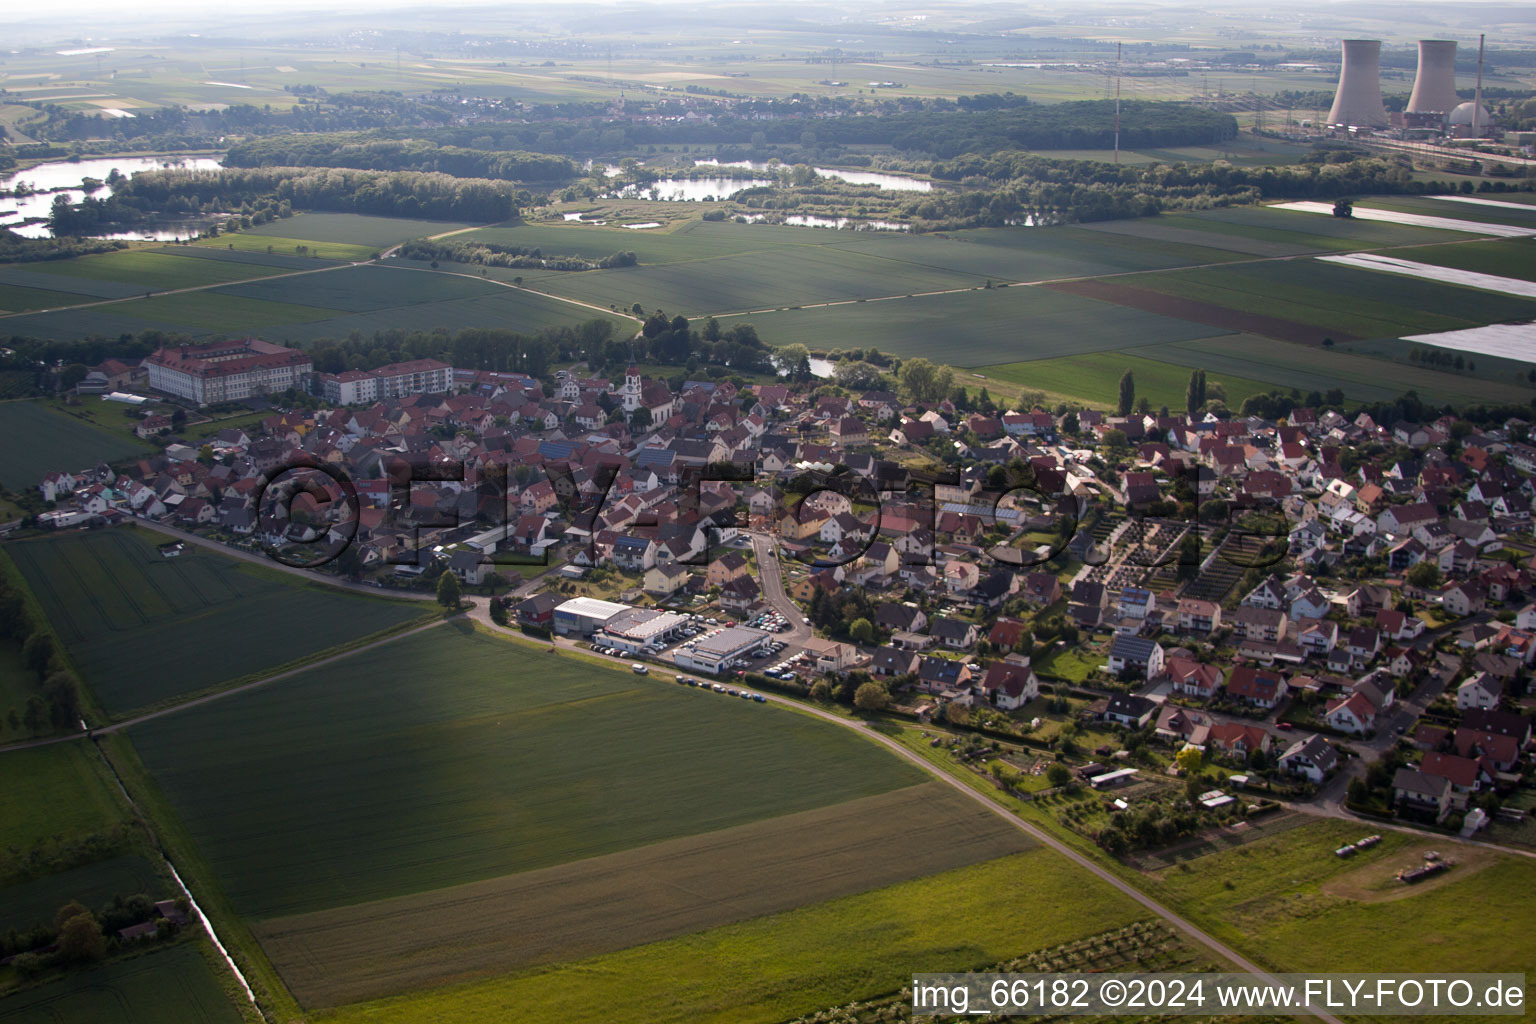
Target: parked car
(639,669)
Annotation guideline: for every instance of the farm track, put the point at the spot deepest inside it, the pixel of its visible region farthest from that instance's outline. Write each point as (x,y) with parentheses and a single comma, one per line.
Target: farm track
(150,293)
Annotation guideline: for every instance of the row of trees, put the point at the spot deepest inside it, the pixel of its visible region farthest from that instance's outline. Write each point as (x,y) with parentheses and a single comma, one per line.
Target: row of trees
(16,249)
(490,254)
(400,155)
(387,193)
(54,701)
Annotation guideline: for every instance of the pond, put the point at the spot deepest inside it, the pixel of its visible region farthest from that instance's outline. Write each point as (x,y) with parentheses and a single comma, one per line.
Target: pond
(64,174)
(893,182)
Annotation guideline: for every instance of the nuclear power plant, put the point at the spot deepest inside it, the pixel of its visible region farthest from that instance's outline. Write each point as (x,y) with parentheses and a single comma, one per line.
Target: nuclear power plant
(1434,88)
(1357,103)
(1434,109)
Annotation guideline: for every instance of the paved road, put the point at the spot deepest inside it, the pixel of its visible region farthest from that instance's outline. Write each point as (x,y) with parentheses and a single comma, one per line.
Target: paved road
(771,579)
(1038,834)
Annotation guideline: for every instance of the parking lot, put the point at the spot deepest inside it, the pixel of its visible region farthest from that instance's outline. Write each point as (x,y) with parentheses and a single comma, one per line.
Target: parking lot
(772,657)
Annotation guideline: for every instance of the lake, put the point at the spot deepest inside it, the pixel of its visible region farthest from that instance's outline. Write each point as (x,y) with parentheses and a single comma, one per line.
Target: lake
(63,174)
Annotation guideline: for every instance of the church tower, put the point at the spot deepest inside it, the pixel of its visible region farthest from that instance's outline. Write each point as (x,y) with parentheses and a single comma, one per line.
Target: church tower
(631,390)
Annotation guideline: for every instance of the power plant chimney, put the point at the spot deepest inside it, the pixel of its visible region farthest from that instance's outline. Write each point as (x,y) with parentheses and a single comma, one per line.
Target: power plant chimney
(1434,88)
(1358,99)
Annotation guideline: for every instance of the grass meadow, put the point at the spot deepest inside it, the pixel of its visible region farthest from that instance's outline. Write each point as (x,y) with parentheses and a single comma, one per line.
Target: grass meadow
(68,793)
(144,629)
(445,758)
(39,440)
(1279,899)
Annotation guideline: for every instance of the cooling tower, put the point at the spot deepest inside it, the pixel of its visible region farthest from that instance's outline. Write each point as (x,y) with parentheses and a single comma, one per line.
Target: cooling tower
(1358,100)
(1434,89)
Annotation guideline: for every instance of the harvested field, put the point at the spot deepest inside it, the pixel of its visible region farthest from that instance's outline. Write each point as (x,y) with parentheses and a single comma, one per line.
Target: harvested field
(1233,320)
(625,899)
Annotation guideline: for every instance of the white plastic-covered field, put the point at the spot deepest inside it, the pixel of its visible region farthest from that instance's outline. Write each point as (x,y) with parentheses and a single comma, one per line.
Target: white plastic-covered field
(1418,220)
(1500,203)
(1430,272)
(1508,341)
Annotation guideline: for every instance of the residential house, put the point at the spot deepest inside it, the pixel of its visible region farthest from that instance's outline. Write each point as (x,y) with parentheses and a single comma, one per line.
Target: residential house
(1239,740)
(1254,623)
(1010,684)
(1313,758)
(956,634)
(1464,598)
(1136,656)
(1420,794)
(1260,687)
(1354,714)
(1197,616)
(1193,678)
(1481,691)
(1129,710)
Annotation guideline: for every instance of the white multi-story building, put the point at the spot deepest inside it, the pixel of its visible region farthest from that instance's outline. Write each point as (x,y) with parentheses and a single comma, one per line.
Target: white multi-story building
(417,377)
(227,370)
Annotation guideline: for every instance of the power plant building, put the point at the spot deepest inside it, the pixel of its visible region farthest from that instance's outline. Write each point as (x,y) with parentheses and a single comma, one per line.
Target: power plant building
(1357,103)
(1434,87)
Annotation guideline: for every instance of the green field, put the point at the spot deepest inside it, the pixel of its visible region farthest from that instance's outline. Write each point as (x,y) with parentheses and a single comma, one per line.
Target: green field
(1094,379)
(783,277)
(1273,898)
(360,289)
(67,792)
(15,299)
(41,440)
(978,328)
(150,271)
(511,309)
(434,760)
(1334,298)
(774,968)
(145,629)
(352,228)
(211,311)
(166,986)
(246,241)
(641,895)
(36,901)
(1362,378)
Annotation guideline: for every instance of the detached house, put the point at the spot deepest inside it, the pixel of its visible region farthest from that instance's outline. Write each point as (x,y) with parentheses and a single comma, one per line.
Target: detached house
(1312,758)
(1134,655)
(1259,687)
(1010,684)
